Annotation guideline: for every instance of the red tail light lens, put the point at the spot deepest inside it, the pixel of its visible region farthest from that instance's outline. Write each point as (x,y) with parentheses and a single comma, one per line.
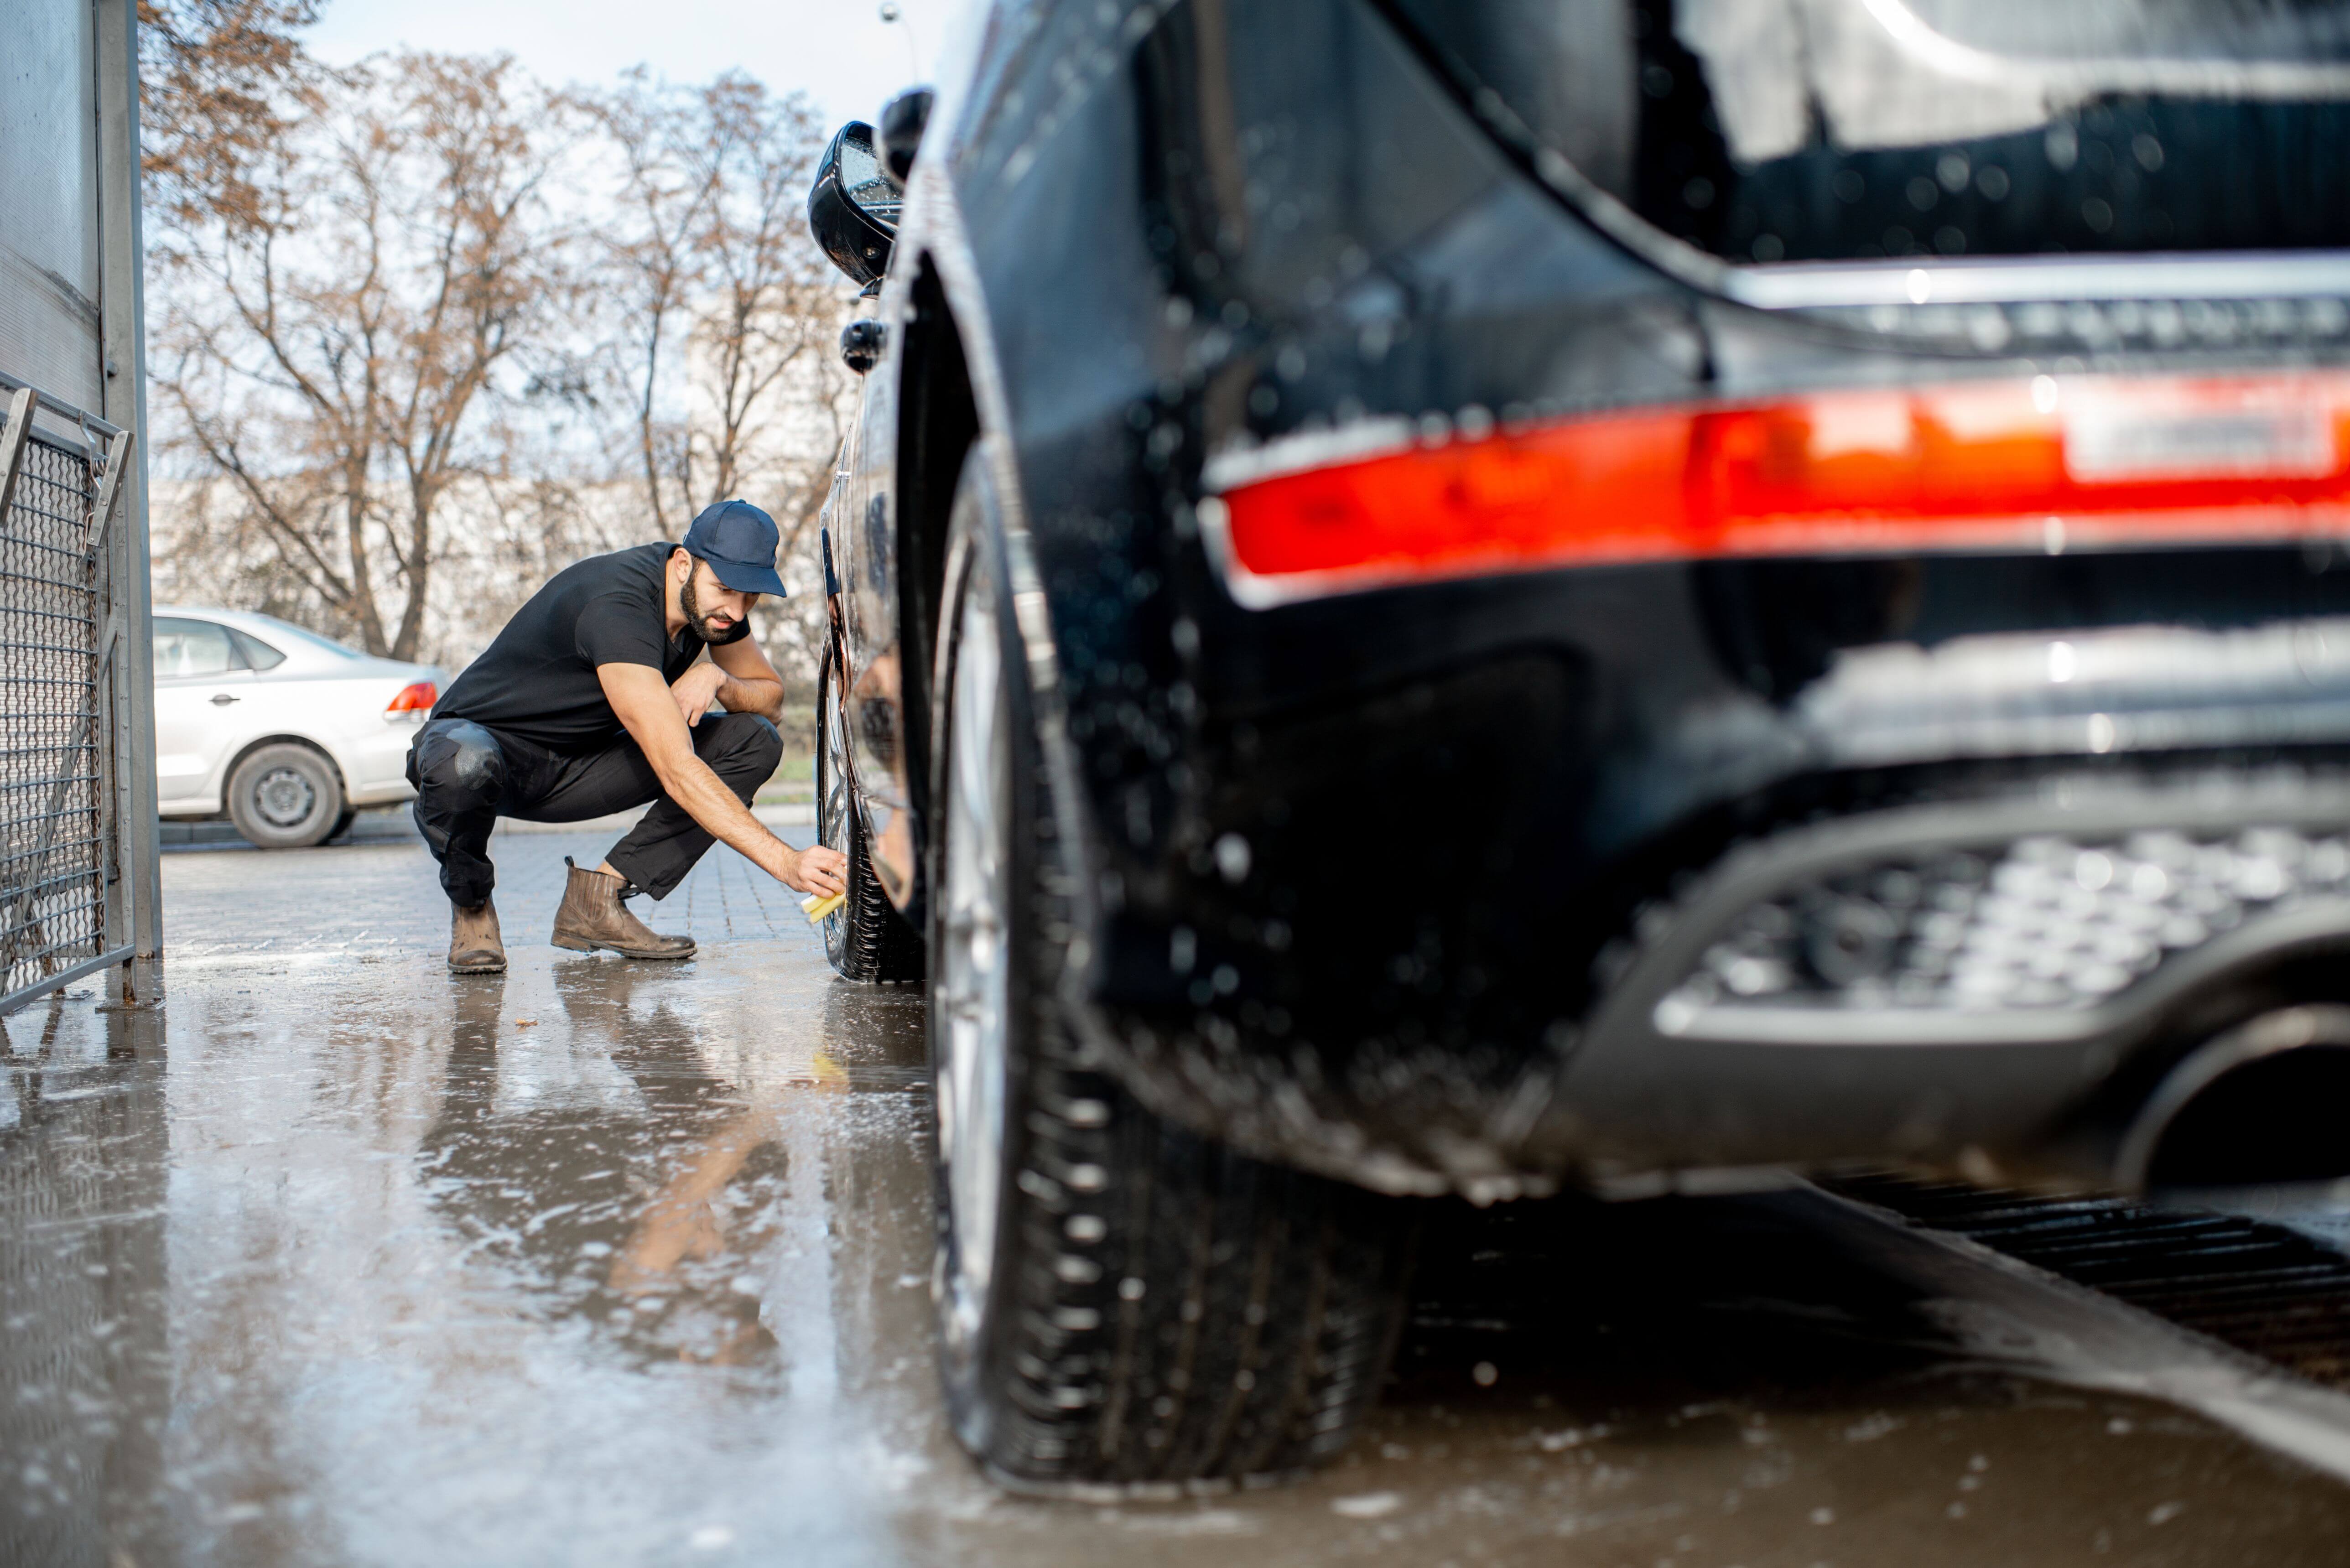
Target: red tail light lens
(416,698)
(2037,464)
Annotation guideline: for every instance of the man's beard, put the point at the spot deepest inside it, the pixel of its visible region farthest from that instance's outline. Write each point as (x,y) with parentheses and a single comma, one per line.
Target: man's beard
(695,618)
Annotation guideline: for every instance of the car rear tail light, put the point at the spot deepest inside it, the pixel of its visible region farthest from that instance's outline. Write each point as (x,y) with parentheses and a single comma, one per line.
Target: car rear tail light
(2043,463)
(418,696)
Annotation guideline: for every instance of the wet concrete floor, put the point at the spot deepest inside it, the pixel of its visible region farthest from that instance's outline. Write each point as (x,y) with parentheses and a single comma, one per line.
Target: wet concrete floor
(345,1260)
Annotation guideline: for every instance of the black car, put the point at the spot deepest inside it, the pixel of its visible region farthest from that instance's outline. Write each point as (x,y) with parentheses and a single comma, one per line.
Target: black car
(1477,597)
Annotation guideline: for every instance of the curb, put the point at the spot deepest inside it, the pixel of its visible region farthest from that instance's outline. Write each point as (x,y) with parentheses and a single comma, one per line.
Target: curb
(392,824)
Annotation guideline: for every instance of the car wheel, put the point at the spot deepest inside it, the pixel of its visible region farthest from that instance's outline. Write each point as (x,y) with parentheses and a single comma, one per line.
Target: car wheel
(284,797)
(866,937)
(1122,1303)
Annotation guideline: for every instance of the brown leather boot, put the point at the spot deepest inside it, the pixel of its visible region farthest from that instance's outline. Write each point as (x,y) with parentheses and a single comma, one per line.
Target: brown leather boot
(592,916)
(474,946)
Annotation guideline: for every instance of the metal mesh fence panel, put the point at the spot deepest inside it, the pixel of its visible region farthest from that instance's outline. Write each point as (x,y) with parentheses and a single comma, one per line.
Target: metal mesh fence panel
(55,853)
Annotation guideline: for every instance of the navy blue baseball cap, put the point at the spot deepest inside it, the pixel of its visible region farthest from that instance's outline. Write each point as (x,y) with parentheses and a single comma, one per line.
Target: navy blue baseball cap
(739,542)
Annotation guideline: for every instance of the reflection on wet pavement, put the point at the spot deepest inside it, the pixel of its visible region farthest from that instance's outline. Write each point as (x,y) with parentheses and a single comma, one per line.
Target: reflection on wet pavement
(552,1189)
(346,1261)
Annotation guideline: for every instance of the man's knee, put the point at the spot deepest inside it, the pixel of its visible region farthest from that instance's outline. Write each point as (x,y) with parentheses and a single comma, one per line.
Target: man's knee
(457,757)
(747,741)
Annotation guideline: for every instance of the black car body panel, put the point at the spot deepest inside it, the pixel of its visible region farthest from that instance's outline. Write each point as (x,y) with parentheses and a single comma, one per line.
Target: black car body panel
(1388,883)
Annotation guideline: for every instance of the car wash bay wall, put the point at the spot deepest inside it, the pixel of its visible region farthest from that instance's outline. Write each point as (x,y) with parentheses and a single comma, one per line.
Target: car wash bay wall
(77,725)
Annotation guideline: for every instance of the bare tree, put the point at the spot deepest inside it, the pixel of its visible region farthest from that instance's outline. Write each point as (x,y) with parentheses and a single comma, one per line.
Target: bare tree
(332,357)
(773,304)
(650,260)
(723,347)
(723,342)
(217,80)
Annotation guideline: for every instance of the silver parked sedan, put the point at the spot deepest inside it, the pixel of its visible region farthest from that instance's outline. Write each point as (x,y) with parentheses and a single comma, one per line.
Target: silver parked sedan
(285,731)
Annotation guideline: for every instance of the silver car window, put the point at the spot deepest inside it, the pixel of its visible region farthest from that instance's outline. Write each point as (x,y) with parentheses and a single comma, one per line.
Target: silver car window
(258,654)
(186,648)
(304,634)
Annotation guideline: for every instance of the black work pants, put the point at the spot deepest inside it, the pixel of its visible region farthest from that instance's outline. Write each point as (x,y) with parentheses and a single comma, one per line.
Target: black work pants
(467,776)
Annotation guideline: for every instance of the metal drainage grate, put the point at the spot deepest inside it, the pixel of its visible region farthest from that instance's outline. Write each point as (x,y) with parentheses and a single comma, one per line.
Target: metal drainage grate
(2265,1288)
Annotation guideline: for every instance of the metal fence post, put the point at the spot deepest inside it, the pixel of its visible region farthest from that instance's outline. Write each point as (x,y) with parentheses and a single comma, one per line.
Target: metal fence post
(136,913)
(12,437)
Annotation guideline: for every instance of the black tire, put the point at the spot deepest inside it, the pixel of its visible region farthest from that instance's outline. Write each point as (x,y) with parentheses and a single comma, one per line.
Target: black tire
(865,939)
(285,796)
(1159,1311)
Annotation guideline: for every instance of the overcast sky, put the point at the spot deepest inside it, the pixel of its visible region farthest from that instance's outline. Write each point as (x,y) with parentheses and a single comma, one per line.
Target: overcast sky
(839,52)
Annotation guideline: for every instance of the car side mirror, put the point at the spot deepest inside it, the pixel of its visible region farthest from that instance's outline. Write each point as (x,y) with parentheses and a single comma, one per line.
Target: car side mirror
(853,206)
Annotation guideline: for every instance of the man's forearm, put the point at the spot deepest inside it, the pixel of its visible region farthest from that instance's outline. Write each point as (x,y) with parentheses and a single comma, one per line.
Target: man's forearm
(707,800)
(764,698)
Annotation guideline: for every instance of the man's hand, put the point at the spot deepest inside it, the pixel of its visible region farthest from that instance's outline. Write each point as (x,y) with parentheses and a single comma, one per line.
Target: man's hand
(696,690)
(819,870)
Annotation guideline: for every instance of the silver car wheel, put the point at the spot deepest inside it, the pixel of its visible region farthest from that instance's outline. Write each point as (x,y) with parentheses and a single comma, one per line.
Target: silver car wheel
(973,972)
(832,808)
(283,797)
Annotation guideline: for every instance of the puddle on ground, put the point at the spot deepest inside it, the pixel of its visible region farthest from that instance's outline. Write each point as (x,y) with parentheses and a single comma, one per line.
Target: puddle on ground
(351,1262)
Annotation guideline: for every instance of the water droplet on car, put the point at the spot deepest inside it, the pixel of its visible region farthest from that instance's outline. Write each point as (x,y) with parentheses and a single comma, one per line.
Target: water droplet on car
(1233,858)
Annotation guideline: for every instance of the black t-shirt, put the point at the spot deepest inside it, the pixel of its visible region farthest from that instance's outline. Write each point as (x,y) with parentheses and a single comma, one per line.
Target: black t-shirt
(538,680)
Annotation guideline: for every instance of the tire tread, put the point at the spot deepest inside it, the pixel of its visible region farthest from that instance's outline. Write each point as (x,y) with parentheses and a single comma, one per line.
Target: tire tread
(1269,1306)
(1270,1300)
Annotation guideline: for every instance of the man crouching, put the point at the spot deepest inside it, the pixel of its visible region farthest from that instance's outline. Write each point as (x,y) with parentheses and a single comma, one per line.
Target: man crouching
(591,701)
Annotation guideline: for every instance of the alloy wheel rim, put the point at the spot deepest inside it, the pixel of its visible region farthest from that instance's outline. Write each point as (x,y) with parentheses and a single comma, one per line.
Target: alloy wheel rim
(284,797)
(975,974)
(832,801)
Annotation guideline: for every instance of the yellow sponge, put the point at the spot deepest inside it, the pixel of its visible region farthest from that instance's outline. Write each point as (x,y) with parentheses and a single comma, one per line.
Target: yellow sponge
(818,907)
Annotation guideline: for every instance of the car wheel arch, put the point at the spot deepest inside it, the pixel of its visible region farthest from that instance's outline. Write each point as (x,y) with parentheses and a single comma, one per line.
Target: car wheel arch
(939,421)
(945,294)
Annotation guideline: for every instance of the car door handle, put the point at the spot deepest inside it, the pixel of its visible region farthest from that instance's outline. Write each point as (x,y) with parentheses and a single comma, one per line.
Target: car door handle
(222,700)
